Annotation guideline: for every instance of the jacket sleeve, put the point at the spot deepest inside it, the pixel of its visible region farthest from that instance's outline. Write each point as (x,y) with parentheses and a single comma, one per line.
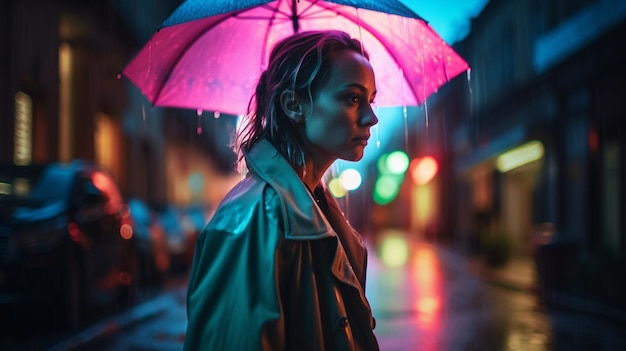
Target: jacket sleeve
(232,299)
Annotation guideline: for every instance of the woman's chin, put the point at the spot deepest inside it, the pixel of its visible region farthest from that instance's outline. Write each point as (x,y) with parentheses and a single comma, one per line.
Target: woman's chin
(355,156)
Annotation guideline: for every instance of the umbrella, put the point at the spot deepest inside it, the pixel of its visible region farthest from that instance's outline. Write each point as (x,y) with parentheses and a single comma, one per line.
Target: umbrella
(208,55)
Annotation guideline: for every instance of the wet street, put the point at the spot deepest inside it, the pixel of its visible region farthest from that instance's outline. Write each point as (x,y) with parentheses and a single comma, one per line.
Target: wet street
(436,302)
(428,298)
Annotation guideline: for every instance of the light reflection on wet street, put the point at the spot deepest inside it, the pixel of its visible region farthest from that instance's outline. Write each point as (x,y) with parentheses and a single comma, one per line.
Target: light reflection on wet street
(425,297)
(439,300)
(523,323)
(434,302)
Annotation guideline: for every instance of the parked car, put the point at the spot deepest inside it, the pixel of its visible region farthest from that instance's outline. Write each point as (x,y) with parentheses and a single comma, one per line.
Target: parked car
(180,236)
(195,218)
(150,242)
(63,240)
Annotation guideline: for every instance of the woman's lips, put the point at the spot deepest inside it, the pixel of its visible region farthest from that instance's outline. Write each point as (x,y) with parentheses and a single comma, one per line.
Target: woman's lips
(362,140)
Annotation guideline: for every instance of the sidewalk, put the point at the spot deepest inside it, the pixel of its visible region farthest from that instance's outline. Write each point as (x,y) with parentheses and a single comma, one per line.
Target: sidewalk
(575,323)
(569,323)
(517,274)
(520,274)
(156,324)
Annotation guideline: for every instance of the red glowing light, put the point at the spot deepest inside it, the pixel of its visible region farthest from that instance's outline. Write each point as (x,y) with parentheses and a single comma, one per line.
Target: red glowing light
(423,169)
(125,211)
(126,231)
(100,181)
(74,231)
(593,139)
(125,278)
(108,187)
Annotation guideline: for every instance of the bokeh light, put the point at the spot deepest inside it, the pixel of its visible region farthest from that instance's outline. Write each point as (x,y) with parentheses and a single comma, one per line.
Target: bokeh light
(336,188)
(423,170)
(386,188)
(397,162)
(519,156)
(350,179)
(394,250)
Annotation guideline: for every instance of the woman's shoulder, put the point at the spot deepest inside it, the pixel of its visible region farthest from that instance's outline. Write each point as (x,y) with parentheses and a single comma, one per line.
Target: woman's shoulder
(249,192)
(249,198)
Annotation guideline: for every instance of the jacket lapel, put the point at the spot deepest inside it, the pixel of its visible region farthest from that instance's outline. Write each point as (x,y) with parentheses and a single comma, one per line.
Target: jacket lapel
(303,220)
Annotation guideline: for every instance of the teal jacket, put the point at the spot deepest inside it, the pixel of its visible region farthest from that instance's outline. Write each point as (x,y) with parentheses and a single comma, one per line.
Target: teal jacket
(272,272)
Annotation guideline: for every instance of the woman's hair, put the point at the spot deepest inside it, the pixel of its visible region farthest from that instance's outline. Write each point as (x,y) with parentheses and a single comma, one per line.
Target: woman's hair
(299,63)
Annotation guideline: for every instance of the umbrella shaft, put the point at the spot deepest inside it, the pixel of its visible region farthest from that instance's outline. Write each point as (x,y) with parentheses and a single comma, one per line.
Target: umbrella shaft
(294,15)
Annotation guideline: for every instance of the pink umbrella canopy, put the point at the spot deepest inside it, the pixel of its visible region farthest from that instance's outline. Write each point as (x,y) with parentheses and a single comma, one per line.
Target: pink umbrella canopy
(209,54)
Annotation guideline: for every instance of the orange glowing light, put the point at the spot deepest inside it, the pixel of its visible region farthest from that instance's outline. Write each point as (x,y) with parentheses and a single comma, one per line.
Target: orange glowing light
(427,280)
(100,181)
(106,185)
(428,305)
(428,308)
(423,169)
(126,231)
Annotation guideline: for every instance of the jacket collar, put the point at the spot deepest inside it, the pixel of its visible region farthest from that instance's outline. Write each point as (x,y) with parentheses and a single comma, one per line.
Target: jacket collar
(303,220)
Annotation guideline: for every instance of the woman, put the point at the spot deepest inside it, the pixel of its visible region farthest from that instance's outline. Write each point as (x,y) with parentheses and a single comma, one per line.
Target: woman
(278,267)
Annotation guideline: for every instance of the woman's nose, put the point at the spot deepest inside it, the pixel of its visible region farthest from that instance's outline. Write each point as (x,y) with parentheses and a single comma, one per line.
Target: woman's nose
(369,117)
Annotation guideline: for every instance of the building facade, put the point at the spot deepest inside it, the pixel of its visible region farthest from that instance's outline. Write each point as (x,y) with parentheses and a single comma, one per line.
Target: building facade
(546,92)
(63,98)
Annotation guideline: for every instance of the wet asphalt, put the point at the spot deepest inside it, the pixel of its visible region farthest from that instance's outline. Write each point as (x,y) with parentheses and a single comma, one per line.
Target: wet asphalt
(435,300)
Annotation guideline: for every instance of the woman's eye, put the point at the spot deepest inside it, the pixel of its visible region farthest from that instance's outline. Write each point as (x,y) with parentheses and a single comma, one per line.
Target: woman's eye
(354,99)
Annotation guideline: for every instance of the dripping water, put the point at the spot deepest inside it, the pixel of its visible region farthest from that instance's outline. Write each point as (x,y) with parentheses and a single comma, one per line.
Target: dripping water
(199,121)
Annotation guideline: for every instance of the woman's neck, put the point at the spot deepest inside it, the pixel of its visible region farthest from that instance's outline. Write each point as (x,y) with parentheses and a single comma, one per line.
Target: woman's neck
(311,174)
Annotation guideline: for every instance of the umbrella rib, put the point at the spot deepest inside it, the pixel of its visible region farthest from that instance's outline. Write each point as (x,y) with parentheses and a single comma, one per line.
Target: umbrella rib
(190,43)
(375,34)
(277,16)
(271,18)
(321,13)
(311,4)
(273,9)
(268,29)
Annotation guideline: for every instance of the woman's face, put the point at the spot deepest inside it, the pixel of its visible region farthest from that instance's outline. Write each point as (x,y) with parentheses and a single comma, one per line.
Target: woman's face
(340,119)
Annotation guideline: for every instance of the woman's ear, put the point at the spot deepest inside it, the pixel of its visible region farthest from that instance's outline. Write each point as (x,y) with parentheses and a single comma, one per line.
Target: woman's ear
(291,106)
